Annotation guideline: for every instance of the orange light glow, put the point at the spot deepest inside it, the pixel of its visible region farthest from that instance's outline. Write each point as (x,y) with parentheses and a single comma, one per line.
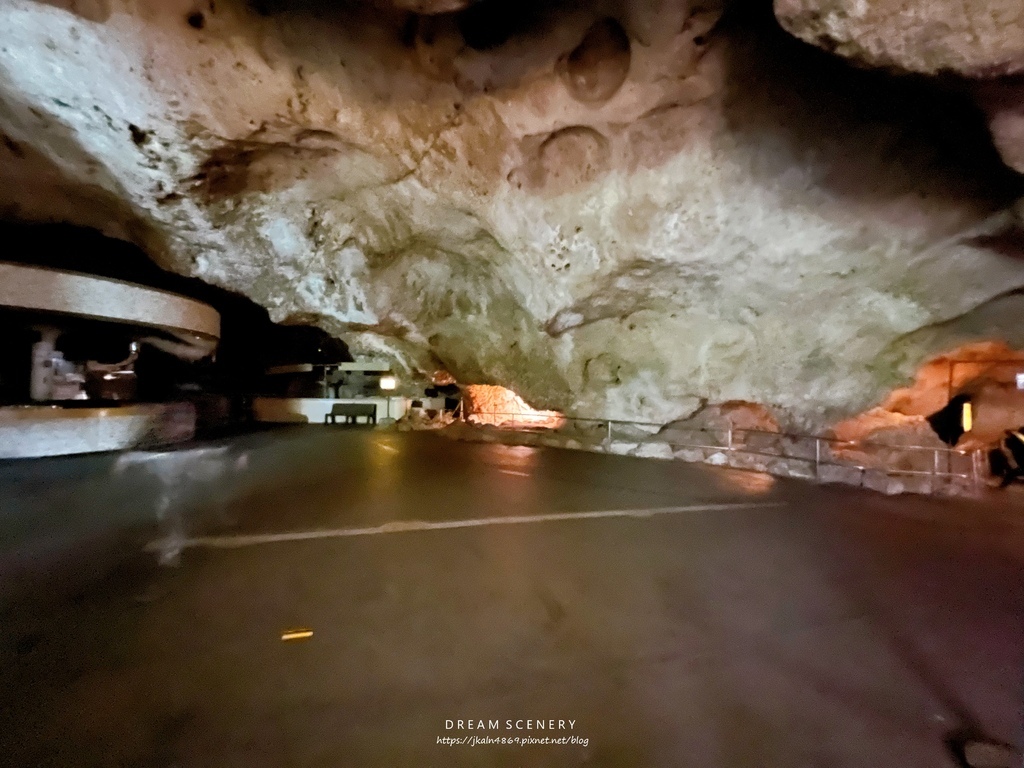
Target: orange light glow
(441,378)
(986,371)
(297,634)
(753,483)
(488,404)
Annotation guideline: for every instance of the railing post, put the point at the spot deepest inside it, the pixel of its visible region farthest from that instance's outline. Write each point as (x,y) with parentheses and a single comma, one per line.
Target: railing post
(729,439)
(817,458)
(608,439)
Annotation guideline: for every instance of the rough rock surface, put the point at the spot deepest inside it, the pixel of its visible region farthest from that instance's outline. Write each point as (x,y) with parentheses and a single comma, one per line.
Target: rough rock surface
(929,36)
(614,209)
(986,371)
(431,6)
(979,40)
(735,415)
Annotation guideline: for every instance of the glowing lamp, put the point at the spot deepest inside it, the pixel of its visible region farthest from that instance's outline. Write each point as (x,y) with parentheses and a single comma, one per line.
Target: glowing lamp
(968,417)
(388,382)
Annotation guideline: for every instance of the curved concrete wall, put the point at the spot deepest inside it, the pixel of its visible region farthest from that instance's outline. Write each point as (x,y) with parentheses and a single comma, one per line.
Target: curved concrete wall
(39,430)
(100,298)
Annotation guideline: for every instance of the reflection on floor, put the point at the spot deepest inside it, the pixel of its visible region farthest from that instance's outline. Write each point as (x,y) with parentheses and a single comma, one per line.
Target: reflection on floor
(808,627)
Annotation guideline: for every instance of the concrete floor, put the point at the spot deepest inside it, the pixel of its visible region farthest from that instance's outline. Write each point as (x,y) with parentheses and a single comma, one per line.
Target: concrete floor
(818,627)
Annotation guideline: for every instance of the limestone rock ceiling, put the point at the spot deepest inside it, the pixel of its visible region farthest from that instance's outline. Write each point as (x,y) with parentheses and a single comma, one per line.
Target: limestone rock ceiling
(613,208)
(431,6)
(982,42)
(981,38)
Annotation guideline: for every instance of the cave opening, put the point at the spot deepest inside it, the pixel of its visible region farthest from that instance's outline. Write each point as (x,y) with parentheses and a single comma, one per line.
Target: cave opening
(989,375)
(958,411)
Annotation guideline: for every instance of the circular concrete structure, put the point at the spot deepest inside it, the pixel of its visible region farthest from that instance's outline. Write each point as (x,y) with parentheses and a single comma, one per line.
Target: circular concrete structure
(53,430)
(48,430)
(74,294)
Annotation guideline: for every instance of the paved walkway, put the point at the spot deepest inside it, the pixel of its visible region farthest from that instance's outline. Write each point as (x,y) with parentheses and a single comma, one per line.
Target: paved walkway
(674,614)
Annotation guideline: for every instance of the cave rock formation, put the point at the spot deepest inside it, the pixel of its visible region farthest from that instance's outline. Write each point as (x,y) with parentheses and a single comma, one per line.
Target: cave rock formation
(625,209)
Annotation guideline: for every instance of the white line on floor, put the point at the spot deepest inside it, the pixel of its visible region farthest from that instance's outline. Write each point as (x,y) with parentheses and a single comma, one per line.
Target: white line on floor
(514,472)
(405,526)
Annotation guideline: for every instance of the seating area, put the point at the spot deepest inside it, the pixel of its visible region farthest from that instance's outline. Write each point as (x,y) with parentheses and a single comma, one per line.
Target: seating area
(351,412)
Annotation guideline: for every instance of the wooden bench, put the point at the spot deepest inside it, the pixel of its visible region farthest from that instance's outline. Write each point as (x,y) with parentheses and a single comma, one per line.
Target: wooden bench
(351,413)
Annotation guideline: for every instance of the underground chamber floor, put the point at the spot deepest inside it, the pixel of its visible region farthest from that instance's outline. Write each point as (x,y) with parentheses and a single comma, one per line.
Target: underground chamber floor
(629,612)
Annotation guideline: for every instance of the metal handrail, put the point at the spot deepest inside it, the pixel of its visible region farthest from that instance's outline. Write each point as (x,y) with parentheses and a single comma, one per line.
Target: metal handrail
(731,446)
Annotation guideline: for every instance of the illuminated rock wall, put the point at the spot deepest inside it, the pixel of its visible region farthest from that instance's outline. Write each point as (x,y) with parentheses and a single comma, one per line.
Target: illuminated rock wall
(490,404)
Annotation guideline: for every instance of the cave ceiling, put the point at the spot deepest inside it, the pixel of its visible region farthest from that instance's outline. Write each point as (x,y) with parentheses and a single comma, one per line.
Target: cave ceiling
(624,209)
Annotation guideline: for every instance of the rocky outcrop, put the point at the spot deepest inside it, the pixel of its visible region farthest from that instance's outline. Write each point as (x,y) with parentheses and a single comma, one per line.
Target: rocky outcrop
(431,6)
(626,210)
(927,36)
(985,372)
(983,41)
(596,68)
